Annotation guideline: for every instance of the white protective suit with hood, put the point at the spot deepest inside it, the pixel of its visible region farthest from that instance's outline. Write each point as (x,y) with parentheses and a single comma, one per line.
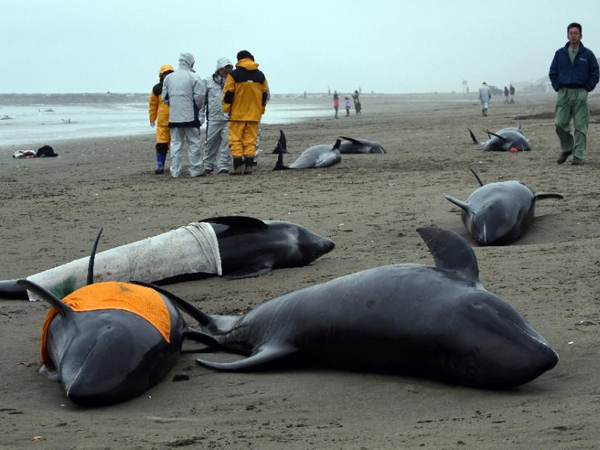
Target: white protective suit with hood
(216,123)
(184,92)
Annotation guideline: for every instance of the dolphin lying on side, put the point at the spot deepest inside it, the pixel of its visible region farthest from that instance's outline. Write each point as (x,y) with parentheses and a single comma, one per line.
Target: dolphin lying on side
(315,157)
(436,322)
(234,246)
(508,139)
(109,342)
(499,213)
(351,145)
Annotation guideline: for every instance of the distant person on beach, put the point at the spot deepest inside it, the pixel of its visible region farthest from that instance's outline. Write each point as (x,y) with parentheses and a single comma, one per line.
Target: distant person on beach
(184,92)
(336,103)
(485,95)
(356,99)
(505,95)
(512,94)
(245,98)
(573,74)
(347,105)
(216,145)
(159,117)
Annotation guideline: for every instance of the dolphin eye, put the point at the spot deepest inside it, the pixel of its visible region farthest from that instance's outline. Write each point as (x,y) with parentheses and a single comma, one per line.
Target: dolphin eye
(476,306)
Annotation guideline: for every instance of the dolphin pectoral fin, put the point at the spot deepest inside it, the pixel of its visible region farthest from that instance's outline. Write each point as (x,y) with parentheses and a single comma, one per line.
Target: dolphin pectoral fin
(451,252)
(354,141)
(497,135)
(476,176)
(254,269)
(458,203)
(50,371)
(261,356)
(545,195)
(63,309)
(200,336)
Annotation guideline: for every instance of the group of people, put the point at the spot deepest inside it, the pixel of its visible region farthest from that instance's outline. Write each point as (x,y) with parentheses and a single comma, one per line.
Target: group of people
(336,103)
(509,95)
(574,73)
(232,101)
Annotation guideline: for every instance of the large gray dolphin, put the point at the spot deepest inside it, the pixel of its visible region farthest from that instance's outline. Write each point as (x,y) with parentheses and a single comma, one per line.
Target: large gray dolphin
(508,139)
(109,342)
(437,322)
(316,157)
(232,246)
(499,213)
(351,145)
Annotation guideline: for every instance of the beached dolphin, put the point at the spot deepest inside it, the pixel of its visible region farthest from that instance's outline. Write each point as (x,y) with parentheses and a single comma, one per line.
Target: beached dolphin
(234,247)
(436,322)
(350,146)
(508,139)
(315,157)
(111,341)
(499,213)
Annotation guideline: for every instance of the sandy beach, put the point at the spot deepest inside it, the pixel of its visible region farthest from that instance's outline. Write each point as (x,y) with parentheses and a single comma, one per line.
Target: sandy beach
(370,205)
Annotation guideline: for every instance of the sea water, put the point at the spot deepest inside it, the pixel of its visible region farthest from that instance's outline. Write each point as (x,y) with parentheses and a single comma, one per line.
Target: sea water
(31,126)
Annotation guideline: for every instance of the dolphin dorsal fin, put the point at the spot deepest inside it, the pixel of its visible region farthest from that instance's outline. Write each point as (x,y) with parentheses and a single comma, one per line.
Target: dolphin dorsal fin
(354,141)
(63,309)
(90,274)
(497,135)
(451,252)
(464,206)
(476,176)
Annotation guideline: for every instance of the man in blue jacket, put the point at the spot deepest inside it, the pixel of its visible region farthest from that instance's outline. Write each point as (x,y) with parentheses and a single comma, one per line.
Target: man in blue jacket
(573,73)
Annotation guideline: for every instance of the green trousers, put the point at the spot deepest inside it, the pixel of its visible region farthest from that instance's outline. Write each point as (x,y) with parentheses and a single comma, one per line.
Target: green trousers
(572,104)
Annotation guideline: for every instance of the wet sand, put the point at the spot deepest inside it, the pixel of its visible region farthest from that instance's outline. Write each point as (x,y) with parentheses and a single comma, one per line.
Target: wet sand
(370,205)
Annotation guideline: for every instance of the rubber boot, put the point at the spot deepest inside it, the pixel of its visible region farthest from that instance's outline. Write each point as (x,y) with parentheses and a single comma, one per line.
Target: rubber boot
(249,166)
(160,159)
(238,166)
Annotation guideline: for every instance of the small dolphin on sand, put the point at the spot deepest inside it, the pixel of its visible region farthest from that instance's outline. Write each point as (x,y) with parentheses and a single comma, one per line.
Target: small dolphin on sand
(436,322)
(316,157)
(499,213)
(510,139)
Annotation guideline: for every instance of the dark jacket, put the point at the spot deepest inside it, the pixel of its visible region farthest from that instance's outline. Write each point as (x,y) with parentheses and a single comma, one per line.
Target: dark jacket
(583,73)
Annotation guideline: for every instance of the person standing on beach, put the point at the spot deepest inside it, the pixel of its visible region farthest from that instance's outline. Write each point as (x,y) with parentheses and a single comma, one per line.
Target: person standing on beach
(244,100)
(573,74)
(357,106)
(485,95)
(505,95)
(159,117)
(216,146)
(336,103)
(347,105)
(184,92)
(511,91)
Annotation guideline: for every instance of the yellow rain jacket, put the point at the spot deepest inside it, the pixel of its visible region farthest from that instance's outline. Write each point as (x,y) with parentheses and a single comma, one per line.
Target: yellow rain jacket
(159,110)
(245,92)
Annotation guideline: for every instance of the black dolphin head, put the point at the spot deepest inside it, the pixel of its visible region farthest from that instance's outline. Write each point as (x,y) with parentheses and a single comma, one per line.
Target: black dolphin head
(495,347)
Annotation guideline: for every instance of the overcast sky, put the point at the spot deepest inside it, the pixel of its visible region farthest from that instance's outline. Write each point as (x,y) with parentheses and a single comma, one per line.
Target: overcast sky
(395,46)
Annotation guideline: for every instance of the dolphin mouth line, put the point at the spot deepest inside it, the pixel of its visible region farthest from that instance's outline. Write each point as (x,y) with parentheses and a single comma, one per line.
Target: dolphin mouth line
(81,368)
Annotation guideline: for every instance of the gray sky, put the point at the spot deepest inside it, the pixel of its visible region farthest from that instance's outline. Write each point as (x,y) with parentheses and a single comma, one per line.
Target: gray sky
(385,46)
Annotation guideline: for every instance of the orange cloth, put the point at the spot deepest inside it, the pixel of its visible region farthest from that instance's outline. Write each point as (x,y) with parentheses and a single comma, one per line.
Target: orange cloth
(139,300)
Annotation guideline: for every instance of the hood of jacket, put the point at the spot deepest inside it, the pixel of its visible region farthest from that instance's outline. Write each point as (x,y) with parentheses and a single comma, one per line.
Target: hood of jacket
(247,64)
(222,62)
(186,61)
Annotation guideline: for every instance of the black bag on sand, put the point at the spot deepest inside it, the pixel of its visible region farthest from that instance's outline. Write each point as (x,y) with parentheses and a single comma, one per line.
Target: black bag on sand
(45,152)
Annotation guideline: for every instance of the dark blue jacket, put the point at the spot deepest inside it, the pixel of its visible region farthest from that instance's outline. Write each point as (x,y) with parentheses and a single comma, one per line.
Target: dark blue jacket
(583,73)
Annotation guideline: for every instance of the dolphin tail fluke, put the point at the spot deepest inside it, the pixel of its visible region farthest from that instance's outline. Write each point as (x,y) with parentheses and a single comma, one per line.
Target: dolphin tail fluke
(476,176)
(281,144)
(63,309)
(279,164)
(475,141)
(545,195)
(451,252)
(10,290)
(90,274)
(264,355)
(337,144)
(462,205)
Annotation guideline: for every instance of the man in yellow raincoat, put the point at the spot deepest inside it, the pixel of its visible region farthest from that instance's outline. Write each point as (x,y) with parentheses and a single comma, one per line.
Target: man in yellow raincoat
(244,99)
(159,116)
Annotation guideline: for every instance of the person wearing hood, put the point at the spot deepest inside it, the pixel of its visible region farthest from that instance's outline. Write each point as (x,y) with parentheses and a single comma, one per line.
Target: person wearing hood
(159,117)
(216,145)
(184,92)
(244,100)
(485,95)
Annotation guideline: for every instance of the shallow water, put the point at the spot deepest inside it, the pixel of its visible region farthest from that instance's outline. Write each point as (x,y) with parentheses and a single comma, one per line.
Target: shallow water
(37,125)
